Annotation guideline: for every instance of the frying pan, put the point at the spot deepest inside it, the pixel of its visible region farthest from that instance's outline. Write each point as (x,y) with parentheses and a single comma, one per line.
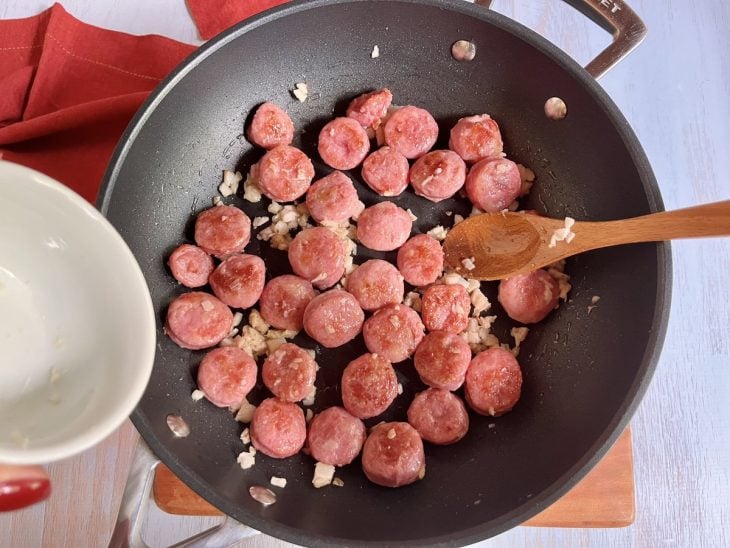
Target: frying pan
(583,375)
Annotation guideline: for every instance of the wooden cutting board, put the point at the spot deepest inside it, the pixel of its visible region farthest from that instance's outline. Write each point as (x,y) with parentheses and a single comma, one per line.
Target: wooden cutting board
(604,498)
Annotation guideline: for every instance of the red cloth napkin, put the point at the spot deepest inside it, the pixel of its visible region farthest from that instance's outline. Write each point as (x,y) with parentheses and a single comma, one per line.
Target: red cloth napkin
(68,89)
(211,17)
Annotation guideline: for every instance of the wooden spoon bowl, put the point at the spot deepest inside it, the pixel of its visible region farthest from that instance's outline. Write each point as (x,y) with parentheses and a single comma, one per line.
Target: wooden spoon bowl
(494,246)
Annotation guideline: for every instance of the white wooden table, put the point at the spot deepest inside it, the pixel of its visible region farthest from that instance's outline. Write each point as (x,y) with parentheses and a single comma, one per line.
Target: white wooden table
(675,92)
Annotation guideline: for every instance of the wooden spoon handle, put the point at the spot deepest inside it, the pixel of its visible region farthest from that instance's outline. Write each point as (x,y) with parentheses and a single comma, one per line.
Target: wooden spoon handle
(693,222)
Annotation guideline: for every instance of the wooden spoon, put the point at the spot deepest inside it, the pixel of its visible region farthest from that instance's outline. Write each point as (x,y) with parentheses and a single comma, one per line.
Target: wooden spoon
(494,246)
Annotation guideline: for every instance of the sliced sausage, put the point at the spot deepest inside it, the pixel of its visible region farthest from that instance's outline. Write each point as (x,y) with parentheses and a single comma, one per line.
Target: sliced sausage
(284,173)
(333,318)
(190,265)
(393,455)
(528,298)
(384,226)
(492,185)
(493,382)
(278,428)
(438,175)
(442,359)
(368,386)
(343,143)
(439,416)
(239,280)
(222,231)
(284,300)
(393,332)
(198,320)
(318,255)
(270,127)
(475,138)
(227,375)
(370,108)
(386,171)
(376,283)
(446,308)
(333,198)
(289,373)
(421,260)
(335,437)
(410,130)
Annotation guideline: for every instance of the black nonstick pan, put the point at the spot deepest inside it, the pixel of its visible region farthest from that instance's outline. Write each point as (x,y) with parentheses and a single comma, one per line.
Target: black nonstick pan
(583,374)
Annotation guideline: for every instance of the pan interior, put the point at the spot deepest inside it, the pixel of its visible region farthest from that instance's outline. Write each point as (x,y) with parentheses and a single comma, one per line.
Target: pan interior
(582,371)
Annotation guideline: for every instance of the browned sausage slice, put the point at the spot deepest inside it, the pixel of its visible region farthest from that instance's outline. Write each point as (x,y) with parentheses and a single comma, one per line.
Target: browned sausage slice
(335,437)
(190,265)
(393,332)
(318,255)
(384,227)
(343,143)
(446,308)
(370,108)
(333,198)
(369,385)
(278,428)
(226,376)
(421,260)
(333,318)
(239,280)
(438,175)
(386,171)
(393,455)
(284,173)
(222,230)
(376,283)
(412,131)
(198,320)
(284,300)
(270,127)
(289,373)
(529,298)
(442,359)
(439,416)
(493,382)
(475,138)
(492,185)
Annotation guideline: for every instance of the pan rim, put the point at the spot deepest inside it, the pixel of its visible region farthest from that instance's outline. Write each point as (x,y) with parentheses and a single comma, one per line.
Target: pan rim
(654,343)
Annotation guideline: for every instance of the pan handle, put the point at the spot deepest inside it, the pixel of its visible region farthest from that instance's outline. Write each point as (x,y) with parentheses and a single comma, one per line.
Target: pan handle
(135,501)
(616,17)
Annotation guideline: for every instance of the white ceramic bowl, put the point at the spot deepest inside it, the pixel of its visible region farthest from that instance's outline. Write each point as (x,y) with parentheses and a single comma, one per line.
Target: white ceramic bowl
(77,327)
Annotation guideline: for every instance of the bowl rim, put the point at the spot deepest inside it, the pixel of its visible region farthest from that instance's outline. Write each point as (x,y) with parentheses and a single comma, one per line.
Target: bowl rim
(137,290)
